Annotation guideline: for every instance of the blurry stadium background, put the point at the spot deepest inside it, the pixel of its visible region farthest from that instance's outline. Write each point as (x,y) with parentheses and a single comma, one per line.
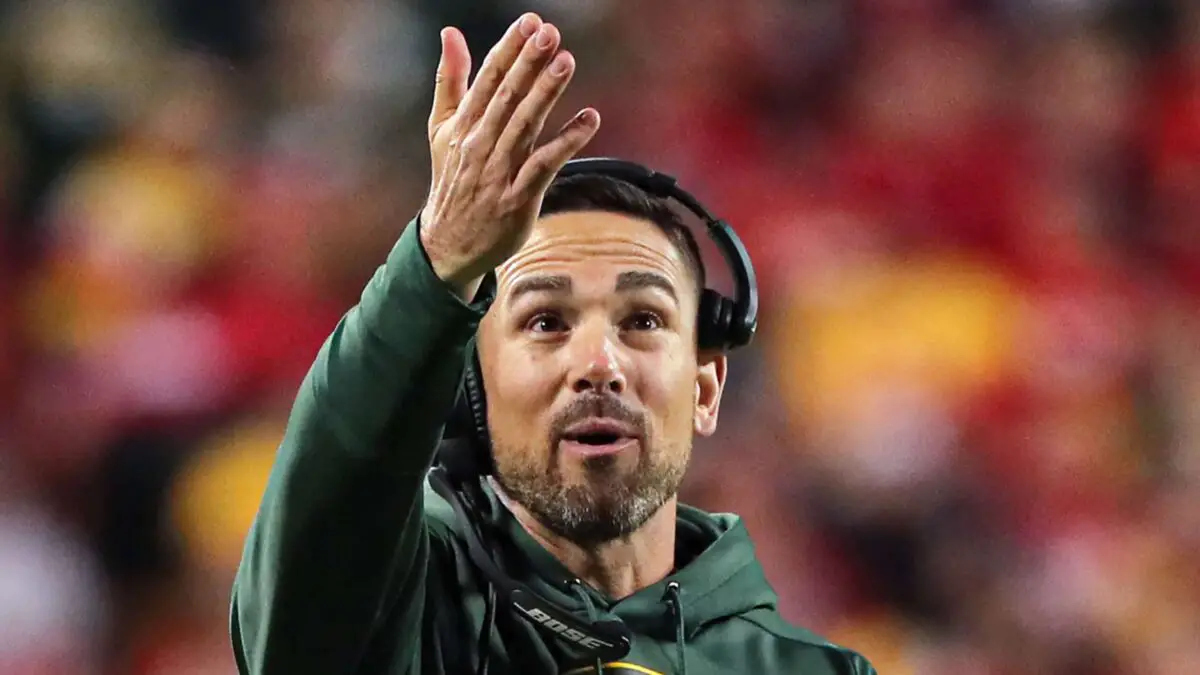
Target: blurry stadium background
(967,440)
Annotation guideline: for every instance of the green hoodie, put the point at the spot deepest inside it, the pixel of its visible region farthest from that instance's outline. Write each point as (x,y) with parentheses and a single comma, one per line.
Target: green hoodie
(355,566)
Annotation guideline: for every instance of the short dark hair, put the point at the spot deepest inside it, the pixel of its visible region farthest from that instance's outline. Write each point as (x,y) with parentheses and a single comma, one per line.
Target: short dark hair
(591,192)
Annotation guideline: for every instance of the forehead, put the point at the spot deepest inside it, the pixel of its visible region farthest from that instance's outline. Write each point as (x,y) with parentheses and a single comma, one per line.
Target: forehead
(594,247)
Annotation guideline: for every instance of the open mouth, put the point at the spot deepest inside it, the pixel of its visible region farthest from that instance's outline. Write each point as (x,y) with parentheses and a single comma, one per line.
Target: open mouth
(598,437)
(594,438)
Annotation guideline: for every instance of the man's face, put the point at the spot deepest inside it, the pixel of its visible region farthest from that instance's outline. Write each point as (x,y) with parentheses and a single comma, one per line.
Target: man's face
(595,387)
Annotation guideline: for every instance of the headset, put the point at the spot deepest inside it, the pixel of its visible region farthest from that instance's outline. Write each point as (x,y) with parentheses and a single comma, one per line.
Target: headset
(465,457)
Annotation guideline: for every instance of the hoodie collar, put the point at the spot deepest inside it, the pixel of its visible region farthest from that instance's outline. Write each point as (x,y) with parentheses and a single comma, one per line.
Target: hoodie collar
(717,575)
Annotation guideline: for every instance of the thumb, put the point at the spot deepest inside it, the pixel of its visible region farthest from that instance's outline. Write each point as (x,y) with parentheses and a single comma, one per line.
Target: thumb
(453,71)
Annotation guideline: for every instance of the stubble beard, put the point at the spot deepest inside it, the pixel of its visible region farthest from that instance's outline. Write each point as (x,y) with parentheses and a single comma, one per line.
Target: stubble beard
(609,503)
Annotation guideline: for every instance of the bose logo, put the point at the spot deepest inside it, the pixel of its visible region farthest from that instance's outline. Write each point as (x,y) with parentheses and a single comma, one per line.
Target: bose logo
(561,629)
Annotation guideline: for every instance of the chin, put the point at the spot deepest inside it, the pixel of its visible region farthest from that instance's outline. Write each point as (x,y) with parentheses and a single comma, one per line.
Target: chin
(589,521)
(591,499)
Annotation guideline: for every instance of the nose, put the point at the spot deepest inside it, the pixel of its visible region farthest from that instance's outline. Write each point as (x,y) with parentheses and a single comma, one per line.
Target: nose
(597,363)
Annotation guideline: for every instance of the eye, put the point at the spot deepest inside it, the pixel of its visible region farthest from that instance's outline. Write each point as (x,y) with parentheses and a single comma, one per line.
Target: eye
(643,321)
(546,323)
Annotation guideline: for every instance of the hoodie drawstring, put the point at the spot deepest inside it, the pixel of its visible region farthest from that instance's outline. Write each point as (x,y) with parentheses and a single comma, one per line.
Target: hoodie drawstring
(674,598)
(580,592)
(485,631)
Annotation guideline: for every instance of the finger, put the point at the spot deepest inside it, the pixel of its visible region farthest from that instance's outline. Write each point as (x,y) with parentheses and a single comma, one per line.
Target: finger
(453,72)
(539,170)
(522,131)
(520,79)
(495,65)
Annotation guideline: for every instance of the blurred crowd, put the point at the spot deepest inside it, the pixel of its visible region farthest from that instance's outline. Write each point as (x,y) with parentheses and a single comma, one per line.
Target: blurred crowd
(967,441)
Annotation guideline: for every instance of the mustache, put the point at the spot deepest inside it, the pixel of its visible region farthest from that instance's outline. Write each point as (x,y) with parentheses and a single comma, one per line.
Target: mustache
(596,405)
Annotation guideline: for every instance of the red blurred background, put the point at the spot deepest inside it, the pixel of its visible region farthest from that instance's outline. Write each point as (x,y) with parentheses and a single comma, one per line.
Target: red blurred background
(967,441)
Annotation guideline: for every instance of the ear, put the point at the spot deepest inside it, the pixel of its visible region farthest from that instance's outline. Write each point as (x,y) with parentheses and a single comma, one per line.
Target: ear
(710,384)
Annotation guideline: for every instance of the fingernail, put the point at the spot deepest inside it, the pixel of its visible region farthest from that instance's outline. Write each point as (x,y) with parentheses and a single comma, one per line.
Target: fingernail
(527,25)
(560,65)
(544,38)
(586,117)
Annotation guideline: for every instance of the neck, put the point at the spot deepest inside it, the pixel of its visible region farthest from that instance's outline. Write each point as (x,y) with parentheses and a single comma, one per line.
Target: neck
(617,568)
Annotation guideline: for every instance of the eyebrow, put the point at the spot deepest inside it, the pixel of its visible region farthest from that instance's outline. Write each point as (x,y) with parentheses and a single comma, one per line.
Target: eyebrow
(627,282)
(638,280)
(540,284)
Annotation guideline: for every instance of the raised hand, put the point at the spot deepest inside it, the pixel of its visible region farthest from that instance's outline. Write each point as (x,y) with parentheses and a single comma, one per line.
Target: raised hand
(489,171)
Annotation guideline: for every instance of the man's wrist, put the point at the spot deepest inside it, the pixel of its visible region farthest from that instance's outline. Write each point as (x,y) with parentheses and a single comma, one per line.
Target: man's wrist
(463,284)
(460,280)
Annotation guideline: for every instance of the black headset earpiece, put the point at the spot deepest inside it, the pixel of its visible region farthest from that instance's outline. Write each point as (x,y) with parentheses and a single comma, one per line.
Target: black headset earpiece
(465,455)
(713,322)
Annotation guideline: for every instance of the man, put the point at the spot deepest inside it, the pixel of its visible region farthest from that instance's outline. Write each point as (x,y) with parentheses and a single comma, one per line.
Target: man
(595,389)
